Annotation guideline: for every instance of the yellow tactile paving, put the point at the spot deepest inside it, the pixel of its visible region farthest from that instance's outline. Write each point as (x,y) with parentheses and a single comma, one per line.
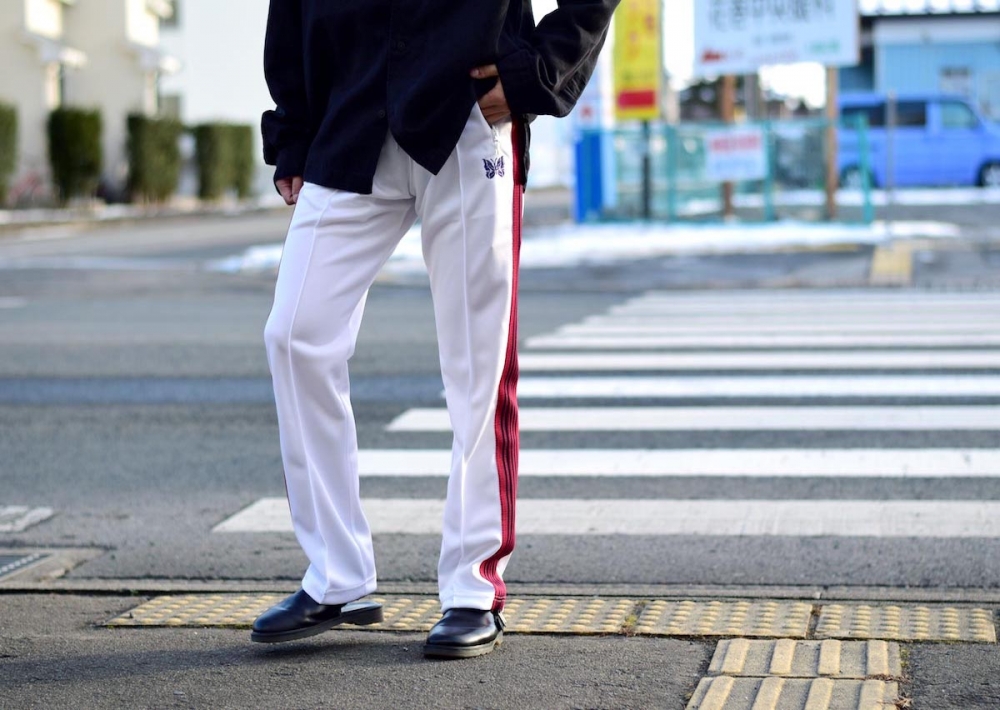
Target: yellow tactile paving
(773,693)
(223,610)
(892,265)
(564,615)
(906,623)
(787,658)
(569,616)
(583,615)
(408,613)
(725,618)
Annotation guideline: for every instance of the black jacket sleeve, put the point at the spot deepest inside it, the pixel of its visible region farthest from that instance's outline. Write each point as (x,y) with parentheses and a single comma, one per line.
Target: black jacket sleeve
(287,130)
(548,71)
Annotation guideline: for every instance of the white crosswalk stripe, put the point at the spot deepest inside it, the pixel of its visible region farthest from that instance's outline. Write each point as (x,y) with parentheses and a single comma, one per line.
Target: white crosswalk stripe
(771,386)
(768,360)
(791,463)
(665,347)
(945,519)
(751,340)
(958,418)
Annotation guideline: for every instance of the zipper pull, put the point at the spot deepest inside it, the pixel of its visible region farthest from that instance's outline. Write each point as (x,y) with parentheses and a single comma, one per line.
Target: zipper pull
(496,142)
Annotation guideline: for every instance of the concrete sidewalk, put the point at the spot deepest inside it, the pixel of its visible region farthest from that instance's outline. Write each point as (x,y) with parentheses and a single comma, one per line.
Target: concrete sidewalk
(97,650)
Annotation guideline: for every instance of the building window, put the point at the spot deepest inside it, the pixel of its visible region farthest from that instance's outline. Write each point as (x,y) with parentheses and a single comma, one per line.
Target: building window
(174,19)
(956,80)
(54,81)
(170,105)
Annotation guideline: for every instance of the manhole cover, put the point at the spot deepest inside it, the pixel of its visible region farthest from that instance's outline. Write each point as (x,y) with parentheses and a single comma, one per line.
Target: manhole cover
(9,564)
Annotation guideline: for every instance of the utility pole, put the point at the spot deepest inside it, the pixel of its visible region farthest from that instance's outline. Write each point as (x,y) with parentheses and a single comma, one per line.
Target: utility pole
(727,112)
(832,147)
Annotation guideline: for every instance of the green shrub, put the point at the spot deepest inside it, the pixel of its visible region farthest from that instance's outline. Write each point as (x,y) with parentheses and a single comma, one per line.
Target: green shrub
(154,157)
(75,151)
(225,159)
(8,147)
(214,160)
(243,160)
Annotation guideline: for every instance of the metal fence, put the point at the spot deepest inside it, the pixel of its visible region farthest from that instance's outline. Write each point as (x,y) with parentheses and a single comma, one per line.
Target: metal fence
(611,166)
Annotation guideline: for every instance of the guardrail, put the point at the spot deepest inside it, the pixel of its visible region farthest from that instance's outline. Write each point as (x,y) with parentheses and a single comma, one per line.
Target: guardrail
(685,164)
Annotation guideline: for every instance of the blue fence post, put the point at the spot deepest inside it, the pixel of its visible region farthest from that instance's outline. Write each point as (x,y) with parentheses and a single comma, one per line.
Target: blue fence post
(589,192)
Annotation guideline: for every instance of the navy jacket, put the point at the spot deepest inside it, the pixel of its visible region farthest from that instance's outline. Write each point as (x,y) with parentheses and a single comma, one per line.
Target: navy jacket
(344,72)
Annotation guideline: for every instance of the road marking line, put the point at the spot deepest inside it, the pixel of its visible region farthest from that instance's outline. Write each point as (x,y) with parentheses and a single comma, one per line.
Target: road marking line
(11,303)
(787,297)
(722,320)
(976,418)
(755,360)
(793,463)
(757,386)
(770,327)
(740,518)
(646,342)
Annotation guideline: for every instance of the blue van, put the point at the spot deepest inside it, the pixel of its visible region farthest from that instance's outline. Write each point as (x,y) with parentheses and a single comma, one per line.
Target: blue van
(939,140)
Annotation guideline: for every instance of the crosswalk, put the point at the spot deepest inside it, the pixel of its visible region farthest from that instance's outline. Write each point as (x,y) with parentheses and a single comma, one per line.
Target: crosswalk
(800,366)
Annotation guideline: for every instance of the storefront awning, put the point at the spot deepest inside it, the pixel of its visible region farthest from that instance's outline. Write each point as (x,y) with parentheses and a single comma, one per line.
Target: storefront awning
(53,51)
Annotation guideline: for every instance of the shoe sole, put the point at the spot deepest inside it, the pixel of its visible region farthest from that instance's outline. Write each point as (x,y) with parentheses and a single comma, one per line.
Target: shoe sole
(439,651)
(355,613)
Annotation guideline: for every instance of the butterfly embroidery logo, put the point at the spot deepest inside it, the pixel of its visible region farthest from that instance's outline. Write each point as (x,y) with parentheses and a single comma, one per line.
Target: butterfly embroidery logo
(493,167)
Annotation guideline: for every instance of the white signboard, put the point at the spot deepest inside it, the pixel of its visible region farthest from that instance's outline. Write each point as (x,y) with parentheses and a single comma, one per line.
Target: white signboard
(740,36)
(735,154)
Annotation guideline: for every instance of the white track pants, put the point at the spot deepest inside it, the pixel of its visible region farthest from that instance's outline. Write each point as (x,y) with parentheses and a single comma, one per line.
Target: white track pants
(336,244)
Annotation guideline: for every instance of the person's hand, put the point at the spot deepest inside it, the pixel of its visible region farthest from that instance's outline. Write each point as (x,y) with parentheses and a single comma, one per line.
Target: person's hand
(493,103)
(289,189)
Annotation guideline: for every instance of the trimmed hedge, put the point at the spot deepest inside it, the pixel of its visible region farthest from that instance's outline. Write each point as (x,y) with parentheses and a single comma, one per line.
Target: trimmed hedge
(75,151)
(154,157)
(8,148)
(243,160)
(225,159)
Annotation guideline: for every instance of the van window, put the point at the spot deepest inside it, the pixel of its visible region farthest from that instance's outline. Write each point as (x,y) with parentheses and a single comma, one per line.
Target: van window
(955,114)
(874,113)
(911,114)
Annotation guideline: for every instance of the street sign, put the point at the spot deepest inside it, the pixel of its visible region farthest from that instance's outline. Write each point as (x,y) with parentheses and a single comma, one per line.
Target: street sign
(741,36)
(735,154)
(638,60)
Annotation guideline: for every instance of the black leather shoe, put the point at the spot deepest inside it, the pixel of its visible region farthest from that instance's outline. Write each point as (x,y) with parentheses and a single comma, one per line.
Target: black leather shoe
(299,617)
(464,633)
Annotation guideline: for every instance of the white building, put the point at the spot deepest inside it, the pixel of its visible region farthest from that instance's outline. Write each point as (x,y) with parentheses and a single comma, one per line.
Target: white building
(221,47)
(36,60)
(88,53)
(124,63)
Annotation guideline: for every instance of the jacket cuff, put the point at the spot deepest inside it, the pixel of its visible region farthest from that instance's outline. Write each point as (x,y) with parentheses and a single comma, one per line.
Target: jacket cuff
(521,83)
(291,160)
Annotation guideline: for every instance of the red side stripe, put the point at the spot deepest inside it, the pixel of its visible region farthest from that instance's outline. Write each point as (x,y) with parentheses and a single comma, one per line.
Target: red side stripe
(505,423)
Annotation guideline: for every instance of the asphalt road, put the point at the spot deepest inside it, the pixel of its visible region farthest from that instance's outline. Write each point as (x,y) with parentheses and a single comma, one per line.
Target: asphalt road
(135,402)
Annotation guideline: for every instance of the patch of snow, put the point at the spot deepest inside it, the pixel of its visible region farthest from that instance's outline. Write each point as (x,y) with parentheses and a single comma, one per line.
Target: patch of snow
(572,245)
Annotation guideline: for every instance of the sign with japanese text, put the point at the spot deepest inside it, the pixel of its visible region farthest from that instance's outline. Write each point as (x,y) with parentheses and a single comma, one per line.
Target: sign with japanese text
(741,36)
(638,60)
(734,154)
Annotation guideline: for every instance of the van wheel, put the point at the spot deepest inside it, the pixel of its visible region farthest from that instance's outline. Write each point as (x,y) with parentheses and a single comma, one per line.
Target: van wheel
(851,178)
(989,176)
